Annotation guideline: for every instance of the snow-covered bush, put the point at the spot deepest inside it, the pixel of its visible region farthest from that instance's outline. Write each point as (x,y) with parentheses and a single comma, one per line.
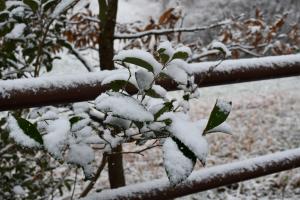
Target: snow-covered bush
(30,33)
(134,109)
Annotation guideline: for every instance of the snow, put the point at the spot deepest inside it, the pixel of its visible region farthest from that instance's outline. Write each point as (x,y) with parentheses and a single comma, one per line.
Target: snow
(224,106)
(140,54)
(184,49)
(179,63)
(18,190)
(58,81)
(80,154)
(144,79)
(49,115)
(188,133)
(81,107)
(16,32)
(222,47)
(61,7)
(18,135)
(160,90)
(177,165)
(80,124)
(112,141)
(56,137)
(177,74)
(168,49)
(116,121)
(224,127)
(247,63)
(202,176)
(123,106)
(93,78)
(120,75)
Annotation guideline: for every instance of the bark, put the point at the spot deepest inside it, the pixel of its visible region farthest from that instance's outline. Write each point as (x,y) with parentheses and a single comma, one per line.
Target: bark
(107,15)
(115,168)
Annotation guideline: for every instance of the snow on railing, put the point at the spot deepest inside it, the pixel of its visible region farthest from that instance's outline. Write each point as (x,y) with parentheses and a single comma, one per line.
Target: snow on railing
(205,179)
(24,93)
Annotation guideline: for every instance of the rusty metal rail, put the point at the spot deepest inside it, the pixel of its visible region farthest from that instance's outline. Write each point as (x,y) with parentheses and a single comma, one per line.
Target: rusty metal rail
(206,179)
(33,92)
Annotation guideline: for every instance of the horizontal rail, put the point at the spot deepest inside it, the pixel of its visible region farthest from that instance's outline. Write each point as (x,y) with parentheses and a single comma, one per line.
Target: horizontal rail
(41,91)
(205,179)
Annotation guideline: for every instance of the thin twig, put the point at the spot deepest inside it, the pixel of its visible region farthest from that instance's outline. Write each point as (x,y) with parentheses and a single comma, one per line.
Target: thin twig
(74,184)
(90,186)
(137,152)
(6,149)
(167,31)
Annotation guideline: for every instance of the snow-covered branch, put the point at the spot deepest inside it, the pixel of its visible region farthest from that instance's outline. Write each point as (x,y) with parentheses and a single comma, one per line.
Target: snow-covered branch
(168,31)
(206,179)
(23,93)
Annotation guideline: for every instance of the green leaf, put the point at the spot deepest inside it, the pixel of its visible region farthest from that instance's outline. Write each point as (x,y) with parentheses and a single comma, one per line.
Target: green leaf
(163,57)
(179,161)
(218,115)
(153,93)
(32,4)
(117,85)
(180,55)
(75,119)
(49,4)
(29,129)
(185,150)
(139,62)
(4,16)
(2,5)
(168,106)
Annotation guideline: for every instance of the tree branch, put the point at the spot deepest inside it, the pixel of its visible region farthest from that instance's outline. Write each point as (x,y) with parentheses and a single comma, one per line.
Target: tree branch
(167,31)
(90,186)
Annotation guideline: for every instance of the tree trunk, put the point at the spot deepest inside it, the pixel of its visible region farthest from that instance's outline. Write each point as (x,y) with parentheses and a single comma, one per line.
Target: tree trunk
(107,15)
(115,168)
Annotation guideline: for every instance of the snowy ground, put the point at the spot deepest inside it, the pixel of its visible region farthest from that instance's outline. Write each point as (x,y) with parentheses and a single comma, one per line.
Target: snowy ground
(265,119)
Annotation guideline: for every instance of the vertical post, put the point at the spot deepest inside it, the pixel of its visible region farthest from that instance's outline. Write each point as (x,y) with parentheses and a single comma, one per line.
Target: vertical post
(107,15)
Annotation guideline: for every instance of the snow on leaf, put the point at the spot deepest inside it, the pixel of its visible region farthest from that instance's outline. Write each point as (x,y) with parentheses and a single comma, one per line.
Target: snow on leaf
(218,115)
(180,55)
(16,32)
(160,91)
(223,128)
(180,64)
(177,74)
(56,137)
(123,106)
(120,80)
(177,165)
(188,133)
(221,47)
(144,79)
(115,121)
(139,58)
(33,4)
(29,129)
(80,154)
(61,7)
(165,51)
(17,133)
(80,124)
